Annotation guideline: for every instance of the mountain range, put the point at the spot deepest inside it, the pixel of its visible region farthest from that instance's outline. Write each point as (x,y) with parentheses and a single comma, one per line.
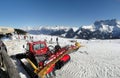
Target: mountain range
(101,29)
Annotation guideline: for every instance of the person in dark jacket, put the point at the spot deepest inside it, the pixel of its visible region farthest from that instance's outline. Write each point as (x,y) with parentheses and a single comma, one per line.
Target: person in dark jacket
(57,40)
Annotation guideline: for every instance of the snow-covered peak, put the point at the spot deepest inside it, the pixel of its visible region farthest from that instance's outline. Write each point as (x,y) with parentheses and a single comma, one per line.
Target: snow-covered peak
(100,23)
(27,28)
(99,29)
(75,28)
(56,27)
(106,28)
(118,24)
(48,29)
(107,25)
(89,27)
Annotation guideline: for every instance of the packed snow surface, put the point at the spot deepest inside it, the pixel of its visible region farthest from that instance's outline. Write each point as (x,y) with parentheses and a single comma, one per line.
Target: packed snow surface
(96,59)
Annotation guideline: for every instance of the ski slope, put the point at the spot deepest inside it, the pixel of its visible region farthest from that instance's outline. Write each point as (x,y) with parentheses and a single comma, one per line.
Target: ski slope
(97,59)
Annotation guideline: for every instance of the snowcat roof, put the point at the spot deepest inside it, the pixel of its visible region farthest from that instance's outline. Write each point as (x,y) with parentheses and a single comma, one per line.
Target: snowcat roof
(36,42)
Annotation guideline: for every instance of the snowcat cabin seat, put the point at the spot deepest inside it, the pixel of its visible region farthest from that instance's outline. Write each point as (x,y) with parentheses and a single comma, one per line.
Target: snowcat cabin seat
(57,48)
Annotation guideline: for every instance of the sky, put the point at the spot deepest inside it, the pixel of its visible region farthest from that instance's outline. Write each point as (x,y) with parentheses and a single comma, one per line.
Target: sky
(20,13)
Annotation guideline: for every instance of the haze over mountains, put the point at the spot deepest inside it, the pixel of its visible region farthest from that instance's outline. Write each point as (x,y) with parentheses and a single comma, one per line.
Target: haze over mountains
(102,29)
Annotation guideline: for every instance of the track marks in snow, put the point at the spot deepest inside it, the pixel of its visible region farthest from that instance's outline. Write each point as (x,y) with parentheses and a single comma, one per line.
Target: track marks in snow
(93,62)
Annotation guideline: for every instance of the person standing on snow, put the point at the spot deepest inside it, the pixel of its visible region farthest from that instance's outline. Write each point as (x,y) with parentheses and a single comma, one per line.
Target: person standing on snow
(57,40)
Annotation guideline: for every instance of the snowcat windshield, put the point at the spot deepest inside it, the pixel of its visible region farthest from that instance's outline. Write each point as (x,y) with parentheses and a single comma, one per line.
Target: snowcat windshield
(38,46)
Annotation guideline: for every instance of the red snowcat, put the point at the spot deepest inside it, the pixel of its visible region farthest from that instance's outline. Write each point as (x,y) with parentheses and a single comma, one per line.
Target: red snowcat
(44,60)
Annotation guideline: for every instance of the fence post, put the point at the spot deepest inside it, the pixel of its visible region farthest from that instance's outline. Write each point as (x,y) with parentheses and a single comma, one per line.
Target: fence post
(10,67)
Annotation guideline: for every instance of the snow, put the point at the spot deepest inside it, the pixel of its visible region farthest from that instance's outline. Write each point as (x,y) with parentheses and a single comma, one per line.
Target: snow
(118,24)
(15,46)
(75,28)
(97,59)
(48,27)
(90,27)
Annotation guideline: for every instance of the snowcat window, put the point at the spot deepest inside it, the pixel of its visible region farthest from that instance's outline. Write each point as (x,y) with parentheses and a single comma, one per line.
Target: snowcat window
(42,46)
(27,47)
(38,46)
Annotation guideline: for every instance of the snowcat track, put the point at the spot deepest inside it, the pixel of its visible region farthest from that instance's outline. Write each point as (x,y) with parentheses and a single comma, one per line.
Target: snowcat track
(29,72)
